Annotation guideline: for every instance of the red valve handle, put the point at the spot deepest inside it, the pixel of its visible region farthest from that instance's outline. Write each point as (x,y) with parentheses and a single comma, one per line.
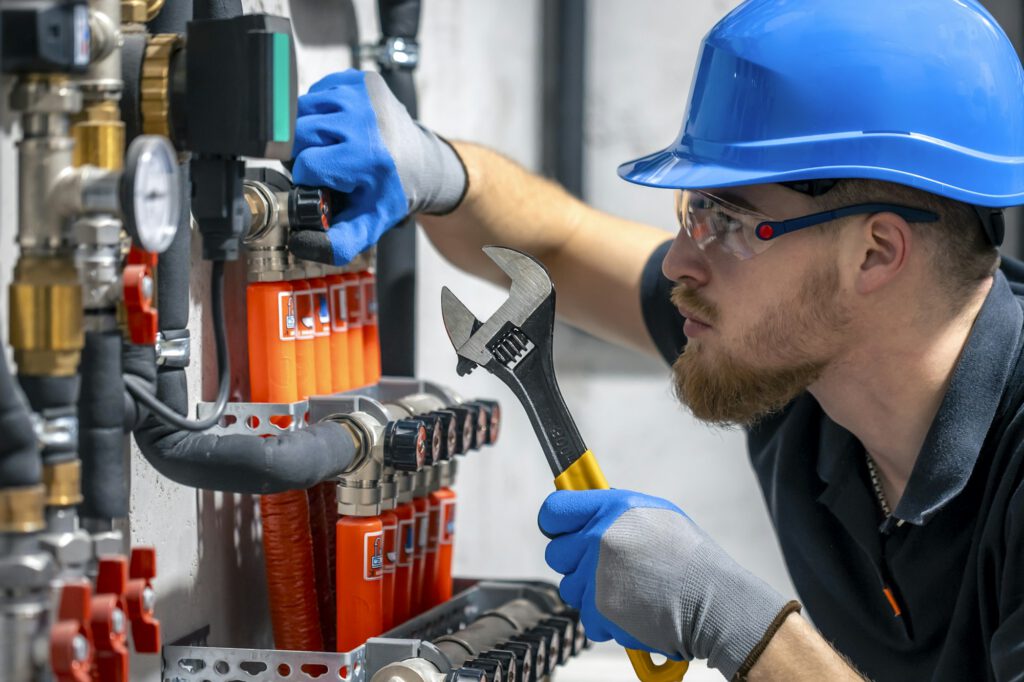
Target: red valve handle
(112,575)
(143,319)
(139,599)
(71,652)
(109,620)
(109,633)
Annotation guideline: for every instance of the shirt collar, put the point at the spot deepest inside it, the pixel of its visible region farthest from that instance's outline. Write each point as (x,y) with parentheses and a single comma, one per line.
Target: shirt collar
(955,439)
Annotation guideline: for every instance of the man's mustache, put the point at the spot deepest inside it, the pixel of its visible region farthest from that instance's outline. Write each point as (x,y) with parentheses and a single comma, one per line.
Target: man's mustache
(688,299)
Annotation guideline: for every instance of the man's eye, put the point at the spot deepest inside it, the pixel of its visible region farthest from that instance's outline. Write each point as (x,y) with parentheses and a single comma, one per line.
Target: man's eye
(727,223)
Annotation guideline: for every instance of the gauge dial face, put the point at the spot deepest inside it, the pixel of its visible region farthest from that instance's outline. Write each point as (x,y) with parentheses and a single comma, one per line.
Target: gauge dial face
(154,192)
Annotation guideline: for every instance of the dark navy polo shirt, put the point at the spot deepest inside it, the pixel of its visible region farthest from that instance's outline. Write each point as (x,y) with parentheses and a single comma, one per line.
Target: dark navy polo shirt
(937,591)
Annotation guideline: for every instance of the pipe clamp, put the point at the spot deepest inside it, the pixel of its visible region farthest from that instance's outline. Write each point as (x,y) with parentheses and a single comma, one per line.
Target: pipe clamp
(394,53)
(173,352)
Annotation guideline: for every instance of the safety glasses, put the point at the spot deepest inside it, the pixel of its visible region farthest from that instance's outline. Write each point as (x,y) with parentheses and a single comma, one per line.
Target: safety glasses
(745,234)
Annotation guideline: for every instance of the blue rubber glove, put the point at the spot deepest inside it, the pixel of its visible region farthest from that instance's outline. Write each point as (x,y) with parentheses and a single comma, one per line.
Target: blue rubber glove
(352,136)
(642,573)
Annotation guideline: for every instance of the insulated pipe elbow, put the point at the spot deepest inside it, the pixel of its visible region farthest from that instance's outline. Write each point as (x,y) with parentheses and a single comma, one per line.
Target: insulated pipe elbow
(138,361)
(20,462)
(242,464)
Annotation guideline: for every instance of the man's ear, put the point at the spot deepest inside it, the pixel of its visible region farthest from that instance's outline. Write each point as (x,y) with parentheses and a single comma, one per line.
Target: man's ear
(883,250)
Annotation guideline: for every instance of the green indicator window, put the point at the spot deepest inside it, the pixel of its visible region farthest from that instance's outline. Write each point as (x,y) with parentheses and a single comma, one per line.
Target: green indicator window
(282,87)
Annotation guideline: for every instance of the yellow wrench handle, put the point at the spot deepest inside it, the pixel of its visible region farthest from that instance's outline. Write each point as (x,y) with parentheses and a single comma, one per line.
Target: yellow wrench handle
(585,474)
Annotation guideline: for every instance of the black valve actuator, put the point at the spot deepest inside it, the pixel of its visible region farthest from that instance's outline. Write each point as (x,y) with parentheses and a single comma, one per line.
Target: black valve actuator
(48,38)
(240,95)
(240,100)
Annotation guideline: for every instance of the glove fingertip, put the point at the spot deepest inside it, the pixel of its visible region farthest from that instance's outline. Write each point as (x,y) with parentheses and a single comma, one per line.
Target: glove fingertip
(313,246)
(567,511)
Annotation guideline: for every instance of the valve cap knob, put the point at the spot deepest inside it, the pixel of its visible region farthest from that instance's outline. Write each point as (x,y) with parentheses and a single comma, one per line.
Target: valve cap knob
(464,428)
(309,208)
(449,433)
(405,445)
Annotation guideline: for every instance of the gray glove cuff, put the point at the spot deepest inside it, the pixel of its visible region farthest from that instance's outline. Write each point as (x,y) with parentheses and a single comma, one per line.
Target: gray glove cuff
(730,610)
(432,174)
(666,583)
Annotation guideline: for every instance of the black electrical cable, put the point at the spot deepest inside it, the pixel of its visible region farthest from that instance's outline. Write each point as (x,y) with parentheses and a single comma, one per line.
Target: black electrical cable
(137,386)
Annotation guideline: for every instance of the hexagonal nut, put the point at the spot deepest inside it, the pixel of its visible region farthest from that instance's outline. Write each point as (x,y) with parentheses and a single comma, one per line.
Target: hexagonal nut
(69,549)
(45,98)
(97,230)
(107,544)
(27,571)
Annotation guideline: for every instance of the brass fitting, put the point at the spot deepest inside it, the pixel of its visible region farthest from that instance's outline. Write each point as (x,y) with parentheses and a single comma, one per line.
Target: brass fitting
(153,8)
(21,509)
(267,258)
(46,316)
(155,88)
(99,136)
(63,483)
(135,11)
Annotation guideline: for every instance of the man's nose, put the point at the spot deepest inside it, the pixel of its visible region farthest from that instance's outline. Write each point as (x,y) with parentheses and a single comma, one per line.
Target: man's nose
(685,262)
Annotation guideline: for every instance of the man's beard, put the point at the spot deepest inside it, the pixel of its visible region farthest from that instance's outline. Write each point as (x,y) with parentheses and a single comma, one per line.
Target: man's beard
(793,337)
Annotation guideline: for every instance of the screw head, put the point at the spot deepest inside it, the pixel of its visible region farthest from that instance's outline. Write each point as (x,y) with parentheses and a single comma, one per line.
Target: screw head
(118,621)
(147,286)
(80,649)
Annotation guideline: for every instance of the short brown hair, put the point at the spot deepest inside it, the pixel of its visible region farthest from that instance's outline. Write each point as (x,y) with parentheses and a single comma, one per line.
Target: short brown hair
(961,252)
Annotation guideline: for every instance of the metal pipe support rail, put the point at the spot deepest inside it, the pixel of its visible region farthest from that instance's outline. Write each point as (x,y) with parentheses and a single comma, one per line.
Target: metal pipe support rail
(416,647)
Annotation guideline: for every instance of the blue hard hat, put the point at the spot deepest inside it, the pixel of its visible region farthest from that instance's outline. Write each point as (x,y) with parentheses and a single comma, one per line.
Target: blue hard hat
(926,93)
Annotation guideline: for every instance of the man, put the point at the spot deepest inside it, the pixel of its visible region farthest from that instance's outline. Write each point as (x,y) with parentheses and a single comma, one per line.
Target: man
(839,178)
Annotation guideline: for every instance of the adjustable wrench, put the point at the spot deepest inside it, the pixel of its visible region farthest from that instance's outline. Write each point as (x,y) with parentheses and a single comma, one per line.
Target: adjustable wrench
(515,345)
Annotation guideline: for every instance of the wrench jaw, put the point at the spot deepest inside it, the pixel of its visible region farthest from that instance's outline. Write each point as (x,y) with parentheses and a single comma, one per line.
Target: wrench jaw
(460,324)
(531,283)
(477,343)
(515,345)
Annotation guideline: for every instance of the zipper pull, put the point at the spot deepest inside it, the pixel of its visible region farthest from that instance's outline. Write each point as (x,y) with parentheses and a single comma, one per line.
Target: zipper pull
(896,610)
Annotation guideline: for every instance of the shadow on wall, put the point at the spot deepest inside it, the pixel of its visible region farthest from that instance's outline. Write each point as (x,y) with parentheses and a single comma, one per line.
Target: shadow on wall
(230,556)
(314,26)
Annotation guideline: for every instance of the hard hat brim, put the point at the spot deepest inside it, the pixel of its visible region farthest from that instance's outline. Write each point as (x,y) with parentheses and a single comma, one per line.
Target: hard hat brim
(673,168)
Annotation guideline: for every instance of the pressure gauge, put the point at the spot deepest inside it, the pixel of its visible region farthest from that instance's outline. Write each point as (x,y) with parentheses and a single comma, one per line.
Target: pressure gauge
(151,193)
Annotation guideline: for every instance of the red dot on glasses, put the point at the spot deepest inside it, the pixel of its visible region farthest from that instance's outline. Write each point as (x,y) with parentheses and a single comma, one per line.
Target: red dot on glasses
(765,231)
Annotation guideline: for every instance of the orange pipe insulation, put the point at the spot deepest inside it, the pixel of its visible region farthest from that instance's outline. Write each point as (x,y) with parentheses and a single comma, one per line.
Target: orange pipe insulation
(322,336)
(305,351)
(329,495)
(319,531)
(439,590)
(430,553)
(341,379)
(360,580)
(422,530)
(371,331)
(389,521)
(406,546)
(287,542)
(354,308)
